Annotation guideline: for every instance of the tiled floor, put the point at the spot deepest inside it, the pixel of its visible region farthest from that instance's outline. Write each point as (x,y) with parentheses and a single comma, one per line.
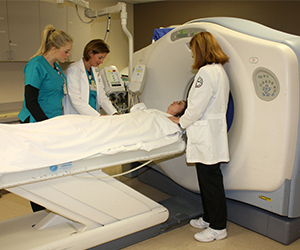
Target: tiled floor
(239,238)
(180,238)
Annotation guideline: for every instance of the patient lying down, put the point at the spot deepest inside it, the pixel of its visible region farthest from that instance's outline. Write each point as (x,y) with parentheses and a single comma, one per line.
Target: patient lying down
(73,137)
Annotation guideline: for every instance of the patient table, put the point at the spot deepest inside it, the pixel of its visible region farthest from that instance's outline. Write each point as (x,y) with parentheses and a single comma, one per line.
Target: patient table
(84,207)
(84,212)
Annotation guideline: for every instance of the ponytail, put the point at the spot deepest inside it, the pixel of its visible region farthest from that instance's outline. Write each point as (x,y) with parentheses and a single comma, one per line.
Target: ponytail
(52,38)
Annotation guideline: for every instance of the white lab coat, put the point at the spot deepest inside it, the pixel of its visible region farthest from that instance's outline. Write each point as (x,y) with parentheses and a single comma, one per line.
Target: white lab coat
(77,99)
(205,116)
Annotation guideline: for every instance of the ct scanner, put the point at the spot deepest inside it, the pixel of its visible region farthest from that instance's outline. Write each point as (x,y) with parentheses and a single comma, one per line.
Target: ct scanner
(262,179)
(264,170)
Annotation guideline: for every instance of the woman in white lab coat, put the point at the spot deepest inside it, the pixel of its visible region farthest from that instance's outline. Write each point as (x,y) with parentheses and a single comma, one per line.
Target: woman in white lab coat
(85,87)
(205,123)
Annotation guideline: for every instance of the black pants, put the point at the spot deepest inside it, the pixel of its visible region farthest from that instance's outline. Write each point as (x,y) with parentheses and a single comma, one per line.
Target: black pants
(210,180)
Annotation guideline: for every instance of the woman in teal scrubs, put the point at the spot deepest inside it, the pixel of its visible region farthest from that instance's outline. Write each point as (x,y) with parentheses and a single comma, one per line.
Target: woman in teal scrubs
(45,83)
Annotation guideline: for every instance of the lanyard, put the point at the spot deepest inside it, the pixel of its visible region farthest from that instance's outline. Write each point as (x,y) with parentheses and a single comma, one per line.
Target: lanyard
(92,82)
(65,83)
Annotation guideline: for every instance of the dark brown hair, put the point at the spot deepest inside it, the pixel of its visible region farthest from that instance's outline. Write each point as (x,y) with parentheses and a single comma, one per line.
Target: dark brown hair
(179,114)
(96,46)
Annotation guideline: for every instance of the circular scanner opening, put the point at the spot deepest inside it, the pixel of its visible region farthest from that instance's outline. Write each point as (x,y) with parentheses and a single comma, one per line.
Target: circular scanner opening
(230,112)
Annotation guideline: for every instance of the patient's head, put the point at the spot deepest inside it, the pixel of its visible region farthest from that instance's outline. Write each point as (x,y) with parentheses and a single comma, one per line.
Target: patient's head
(177,108)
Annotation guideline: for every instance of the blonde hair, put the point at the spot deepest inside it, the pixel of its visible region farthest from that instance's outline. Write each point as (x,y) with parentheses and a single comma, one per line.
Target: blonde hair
(206,50)
(52,38)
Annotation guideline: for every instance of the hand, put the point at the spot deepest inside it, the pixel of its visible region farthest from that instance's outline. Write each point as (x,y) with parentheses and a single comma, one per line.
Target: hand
(174,119)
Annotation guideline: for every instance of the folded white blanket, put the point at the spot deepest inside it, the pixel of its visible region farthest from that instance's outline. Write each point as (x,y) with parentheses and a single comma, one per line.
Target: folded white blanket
(72,137)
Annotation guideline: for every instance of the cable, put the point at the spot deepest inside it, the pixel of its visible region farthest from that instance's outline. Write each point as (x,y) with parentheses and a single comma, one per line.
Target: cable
(107,27)
(116,175)
(133,99)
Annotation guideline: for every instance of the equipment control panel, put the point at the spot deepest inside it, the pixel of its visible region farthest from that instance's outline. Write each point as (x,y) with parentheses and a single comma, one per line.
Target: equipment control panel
(112,80)
(183,33)
(266,84)
(138,79)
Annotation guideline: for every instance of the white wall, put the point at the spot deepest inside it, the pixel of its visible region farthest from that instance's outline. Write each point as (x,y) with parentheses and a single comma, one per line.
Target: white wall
(11,73)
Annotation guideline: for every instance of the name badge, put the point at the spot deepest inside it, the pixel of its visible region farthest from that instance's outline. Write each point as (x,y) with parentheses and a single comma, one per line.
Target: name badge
(93,86)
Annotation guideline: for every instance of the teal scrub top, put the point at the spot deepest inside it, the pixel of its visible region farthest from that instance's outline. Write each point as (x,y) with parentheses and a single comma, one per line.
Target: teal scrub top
(41,75)
(93,90)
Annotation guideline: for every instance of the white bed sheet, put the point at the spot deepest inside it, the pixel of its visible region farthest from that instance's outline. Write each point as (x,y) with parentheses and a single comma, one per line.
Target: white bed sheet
(73,137)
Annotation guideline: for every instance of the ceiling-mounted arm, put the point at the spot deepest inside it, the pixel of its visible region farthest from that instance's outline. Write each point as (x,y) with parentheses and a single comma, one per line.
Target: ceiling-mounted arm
(81,3)
(120,7)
